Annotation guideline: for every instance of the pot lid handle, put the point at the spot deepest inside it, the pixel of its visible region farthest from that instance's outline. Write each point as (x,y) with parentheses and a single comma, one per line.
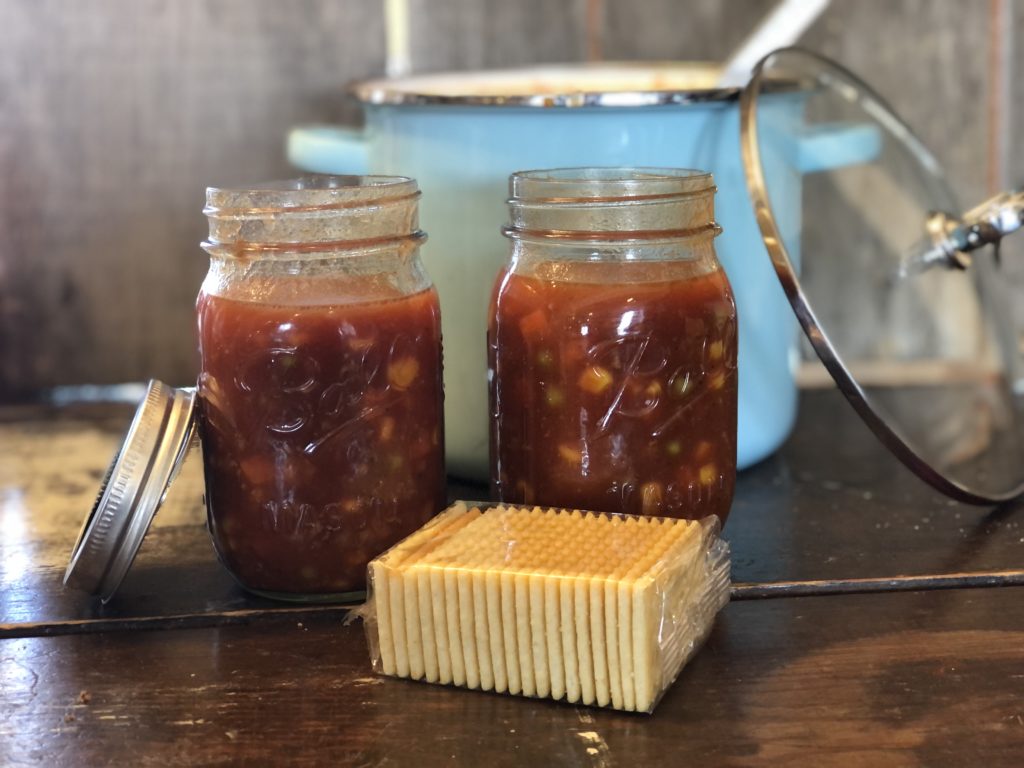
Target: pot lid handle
(952,240)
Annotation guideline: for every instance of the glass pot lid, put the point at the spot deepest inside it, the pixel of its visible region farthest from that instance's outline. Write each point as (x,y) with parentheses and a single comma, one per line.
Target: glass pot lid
(898,289)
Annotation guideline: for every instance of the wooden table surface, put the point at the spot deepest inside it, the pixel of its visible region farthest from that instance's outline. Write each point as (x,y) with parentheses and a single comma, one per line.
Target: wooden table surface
(873,623)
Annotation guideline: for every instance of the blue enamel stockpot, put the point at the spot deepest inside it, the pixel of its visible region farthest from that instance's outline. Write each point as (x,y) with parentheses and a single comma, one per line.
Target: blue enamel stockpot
(462,134)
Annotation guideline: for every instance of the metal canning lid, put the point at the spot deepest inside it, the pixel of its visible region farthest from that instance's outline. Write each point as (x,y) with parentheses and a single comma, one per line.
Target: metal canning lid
(896,284)
(145,465)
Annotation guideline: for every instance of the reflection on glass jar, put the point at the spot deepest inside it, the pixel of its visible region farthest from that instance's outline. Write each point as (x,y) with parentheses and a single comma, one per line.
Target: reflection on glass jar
(320,385)
(612,346)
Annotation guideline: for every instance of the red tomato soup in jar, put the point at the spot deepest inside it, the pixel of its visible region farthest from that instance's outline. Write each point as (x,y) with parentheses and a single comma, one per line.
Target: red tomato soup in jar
(612,346)
(320,385)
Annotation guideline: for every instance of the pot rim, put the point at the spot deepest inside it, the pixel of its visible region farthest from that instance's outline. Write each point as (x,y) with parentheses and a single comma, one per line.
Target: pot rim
(603,84)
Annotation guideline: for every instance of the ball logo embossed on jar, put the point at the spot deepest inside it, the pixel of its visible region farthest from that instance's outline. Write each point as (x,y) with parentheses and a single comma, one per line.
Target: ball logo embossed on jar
(625,367)
(366,390)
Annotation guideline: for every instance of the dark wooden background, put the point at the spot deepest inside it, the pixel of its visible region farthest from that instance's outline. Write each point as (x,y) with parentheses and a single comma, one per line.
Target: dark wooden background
(115,114)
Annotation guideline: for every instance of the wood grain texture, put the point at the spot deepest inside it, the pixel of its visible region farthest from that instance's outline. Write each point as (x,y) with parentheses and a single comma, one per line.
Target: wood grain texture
(917,679)
(471,34)
(668,30)
(829,511)
(114,117)
(1015,63)
(928,58)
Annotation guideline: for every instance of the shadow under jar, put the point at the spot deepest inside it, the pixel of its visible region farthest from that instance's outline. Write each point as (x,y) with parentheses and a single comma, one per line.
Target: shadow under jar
(320,395)
(612,346)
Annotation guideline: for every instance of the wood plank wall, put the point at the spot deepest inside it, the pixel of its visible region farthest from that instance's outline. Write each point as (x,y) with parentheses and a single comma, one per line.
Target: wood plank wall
(115,114)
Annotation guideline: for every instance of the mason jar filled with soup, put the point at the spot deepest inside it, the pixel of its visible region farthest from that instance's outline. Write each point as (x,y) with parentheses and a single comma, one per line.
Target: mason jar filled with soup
(320,396)
(612,346)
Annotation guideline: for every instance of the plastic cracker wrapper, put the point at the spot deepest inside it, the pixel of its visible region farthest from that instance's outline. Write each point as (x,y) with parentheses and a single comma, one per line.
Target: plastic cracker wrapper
(582,607)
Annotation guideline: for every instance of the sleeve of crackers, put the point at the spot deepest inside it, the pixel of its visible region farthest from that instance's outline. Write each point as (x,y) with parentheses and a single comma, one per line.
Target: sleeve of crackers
(579,607)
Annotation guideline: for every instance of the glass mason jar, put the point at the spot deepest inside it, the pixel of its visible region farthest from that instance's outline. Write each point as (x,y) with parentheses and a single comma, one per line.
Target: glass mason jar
(612,346)
(319,392)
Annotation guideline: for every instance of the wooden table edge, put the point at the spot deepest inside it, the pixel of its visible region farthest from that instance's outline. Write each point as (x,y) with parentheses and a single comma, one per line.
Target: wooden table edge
(740,591)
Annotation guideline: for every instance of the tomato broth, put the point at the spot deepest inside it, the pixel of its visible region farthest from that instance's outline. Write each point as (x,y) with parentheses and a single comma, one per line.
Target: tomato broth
(321,434)
(616,395)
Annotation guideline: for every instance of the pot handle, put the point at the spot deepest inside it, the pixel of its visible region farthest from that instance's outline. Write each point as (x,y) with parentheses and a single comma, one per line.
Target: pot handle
(328,149)
(827,146)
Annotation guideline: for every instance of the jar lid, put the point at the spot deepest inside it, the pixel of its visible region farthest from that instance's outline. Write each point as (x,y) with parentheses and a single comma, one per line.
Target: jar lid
(133,489)
(897,288)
